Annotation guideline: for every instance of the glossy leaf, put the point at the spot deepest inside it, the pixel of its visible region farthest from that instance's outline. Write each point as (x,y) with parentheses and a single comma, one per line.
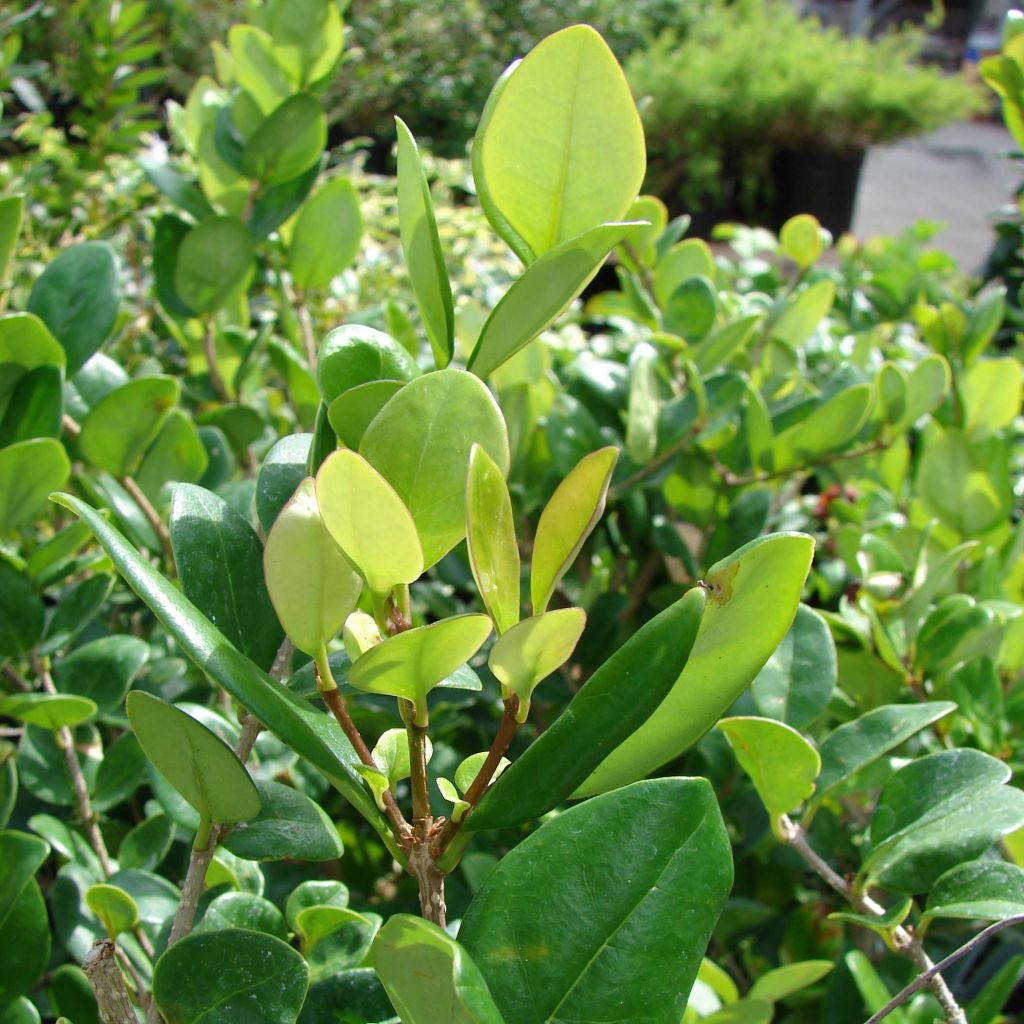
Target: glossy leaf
(289,825)
(491,540)
(146,845)
(567,520)
(326,236)
(354,354)
(51,711)
(354,410)
(312,585)
(25,936)
(856,744)
(219,560)
(560,147)
(411,663)
(280,474)
(830,427)
(114,907)
(752,600)
(34,408)
(981,890)
(318,893)
(692,309)
(542,294)
(288,142)
(215,261)
(22,856)
(780,762)
(428,976)
(29,471)
(77,297)
(368,521)
(243,910)
(200,766)
(609,707)
(79,605)
(633,952)
(125,422)
(222,977)
(420,442)
(532,649)
(357,989)
(277,204)
(422,249)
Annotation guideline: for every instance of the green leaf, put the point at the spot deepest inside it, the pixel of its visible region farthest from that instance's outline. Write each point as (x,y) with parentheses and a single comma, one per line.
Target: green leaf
(609,707)
(684,260)
(831,426)
(354,410)
(77,297)
(222,977)
(420,442)
(937,812)
(644,405)
(178,455)
(531,650)
(146,845)
(326,236)
(23,1011)
(183,192)
(243,910)
(567,520)
(22,856)
(428,976)
(491,540)
(368,521)
(752,600)
(981,890)
(29,471)
(800,238)
(410,664)
(318,893)
(927,386)
(34,408)
(542,294)
(560,147)
(25,937)
(215,262)
(22,613)
(856,744)
(121,772)
(257,68)
(882,924)
(200,765)
(51,711)
(219,559)
(692,309)
(353,354)
(780,762)
(338,940)
(289,825)
(102,670)
(11,210)
(745,1011)
(803,313)
(114,907)
(784,981)
(288,142)
(650,924)
(358,990)
(312,585)
(307,33)
(796,683)
(871,987)
(79,605)
(279,203)
(282,471)
(125,422)
(25,345)
(991,393)
(421,247)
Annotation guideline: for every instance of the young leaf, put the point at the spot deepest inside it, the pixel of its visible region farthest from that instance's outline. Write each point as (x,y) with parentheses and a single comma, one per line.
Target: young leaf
(288,142)
(803,313)
(428,976)
(326,236)
(355,409)
(114,907)
(368,521)
(222,977)
(422,249)
(784,981)
(651,924)
(532,649)
(691,258)
(491,539)
(830,427)
(542,294)
(560,147)
(780,762)
(800,238)
(49,710)
(410,664)
(420,443)
(753,597)
(567,520)
(311,583)
(200,765)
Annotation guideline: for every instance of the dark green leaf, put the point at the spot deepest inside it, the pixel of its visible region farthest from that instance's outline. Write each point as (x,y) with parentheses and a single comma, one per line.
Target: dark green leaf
(121,772)
(243,910)
(78,607)
(145,847)
(354,355)
(102,670)
(347,997)
(982,890)
(35,407)
(178,455)
(25,938)
(21,613)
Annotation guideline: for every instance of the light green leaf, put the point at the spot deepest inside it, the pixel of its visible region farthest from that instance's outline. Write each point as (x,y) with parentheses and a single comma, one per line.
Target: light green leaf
(491,539)
(421,442)
(410,664)
(692,309)
(752,600)
(831,426)
(532,649)
(315,893)
(644,405)
(51,711)
(288,142)
(215,262)
(784,981)
(560,147)
(981,890)
(542,294)
(257,68)
(802,314)
(29,471)
(355,409)
(684,260)
(567,520)
(800,238)
(308,34)
(991,393)
(368,521)
(421,246)
(871,987)
(428,976)
(11,209)
(327,234)
(927,385)
(650,924)
(114,907)
(311,584)
(780,762)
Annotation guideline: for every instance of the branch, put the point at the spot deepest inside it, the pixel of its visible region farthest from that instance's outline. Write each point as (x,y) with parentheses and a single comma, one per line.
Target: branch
(107,984)
(923,979)
(210,351)
(152,517)
(732,479)
(903,941)
(658,461)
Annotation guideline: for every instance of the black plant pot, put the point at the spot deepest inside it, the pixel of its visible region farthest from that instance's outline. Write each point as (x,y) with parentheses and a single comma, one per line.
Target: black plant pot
(817,182)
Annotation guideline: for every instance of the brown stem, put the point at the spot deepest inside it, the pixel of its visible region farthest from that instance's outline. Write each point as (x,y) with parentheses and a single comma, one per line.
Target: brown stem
(107,984)
(502,739)
(903,941)
(152,517)
(739,480)
(656,463)
(210,351)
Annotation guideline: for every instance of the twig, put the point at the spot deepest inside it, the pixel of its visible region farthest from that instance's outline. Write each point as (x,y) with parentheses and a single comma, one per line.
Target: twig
(903,941)
(739,480)
(107,984)
(152,517)
(422,866)
(306,326)
(657,462)
(924,978)
(20,683)
(210,351)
